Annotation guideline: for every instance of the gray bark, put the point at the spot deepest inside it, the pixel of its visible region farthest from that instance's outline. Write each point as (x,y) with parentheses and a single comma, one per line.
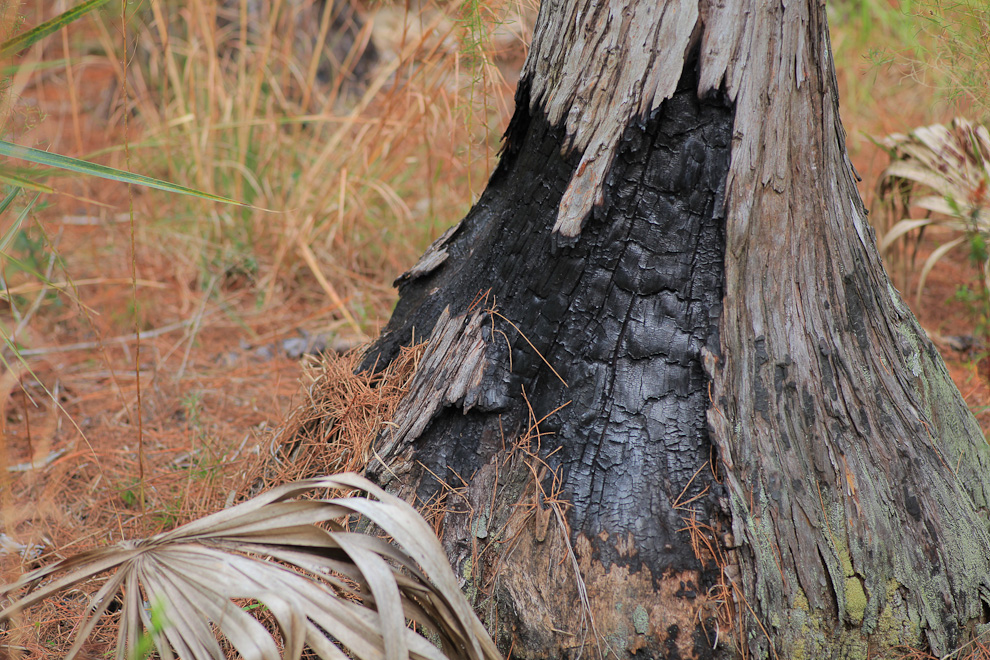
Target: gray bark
(859,480)
(744,434)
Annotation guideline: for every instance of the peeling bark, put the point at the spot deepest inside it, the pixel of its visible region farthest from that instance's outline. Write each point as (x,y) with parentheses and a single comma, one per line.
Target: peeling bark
(672,273)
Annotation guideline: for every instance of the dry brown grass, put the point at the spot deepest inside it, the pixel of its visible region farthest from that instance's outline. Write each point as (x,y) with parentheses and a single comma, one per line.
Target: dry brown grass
(333,429)
(330,431)
(363,179)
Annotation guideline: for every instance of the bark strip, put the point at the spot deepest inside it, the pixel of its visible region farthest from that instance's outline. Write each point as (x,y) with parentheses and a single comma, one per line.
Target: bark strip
(597,66)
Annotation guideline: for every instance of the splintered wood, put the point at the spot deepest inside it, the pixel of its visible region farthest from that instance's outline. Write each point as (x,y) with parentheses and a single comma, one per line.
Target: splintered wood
(638,51)
(449,372)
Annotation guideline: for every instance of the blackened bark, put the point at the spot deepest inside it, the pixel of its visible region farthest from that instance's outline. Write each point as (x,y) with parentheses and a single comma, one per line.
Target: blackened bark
(853,481)
(620,313)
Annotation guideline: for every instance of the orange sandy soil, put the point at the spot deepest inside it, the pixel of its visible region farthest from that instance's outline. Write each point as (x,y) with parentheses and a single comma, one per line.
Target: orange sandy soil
(207,394)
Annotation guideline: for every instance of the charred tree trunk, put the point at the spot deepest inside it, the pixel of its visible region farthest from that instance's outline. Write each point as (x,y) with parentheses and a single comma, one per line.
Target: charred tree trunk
(669,401)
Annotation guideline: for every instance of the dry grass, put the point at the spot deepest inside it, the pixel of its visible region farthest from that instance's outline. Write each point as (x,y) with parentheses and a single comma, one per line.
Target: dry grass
(329,432)
(362,171)
(362,177)
(333,429)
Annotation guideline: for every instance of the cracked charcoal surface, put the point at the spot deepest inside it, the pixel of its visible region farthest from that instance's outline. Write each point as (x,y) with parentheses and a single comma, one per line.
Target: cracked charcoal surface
(621,312)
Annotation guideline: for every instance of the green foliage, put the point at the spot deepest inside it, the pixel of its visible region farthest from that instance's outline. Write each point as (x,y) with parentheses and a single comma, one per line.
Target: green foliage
(874,20)
(192,407)
(56,163)
(130,494)
(29,38)
(944,44)
(19,251)
(977,301)
(885,34)
(77,166)
(23,41)
(959,32)
(145,646)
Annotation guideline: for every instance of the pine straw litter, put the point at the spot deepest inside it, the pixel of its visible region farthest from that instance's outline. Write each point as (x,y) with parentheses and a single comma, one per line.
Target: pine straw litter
(87,496)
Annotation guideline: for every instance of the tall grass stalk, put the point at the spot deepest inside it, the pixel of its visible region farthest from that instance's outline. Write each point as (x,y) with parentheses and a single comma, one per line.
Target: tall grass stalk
(361,166)
(960,54)
(942,45)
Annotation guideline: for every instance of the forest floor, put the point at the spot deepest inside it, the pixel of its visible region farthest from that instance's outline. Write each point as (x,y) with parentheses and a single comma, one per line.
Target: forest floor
(161,338)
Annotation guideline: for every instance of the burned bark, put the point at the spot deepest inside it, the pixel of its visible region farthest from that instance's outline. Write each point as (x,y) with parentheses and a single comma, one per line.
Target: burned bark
(668,387)
(600,335)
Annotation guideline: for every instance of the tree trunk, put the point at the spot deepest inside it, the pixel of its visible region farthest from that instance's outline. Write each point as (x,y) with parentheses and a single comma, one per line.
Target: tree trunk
(670,405)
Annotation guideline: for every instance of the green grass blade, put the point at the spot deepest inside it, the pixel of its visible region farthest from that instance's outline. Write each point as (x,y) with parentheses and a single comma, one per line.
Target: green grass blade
(35,67)
(92,169)
(21,182)
(5,204)
(12,230)
(22,41)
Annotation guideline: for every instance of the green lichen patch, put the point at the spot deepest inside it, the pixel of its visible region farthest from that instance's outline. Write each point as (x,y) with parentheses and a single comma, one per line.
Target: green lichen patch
(895,629)
(805,626)
(470,589)
(641,620)
(853,645)
(855,599)
(855,594)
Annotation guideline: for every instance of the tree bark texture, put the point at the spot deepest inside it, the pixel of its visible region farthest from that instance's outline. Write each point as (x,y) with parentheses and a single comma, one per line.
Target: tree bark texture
(668,385)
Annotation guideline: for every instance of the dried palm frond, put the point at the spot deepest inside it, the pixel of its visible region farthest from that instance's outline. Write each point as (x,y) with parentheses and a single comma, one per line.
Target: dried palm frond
(328,590)
(944,172)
